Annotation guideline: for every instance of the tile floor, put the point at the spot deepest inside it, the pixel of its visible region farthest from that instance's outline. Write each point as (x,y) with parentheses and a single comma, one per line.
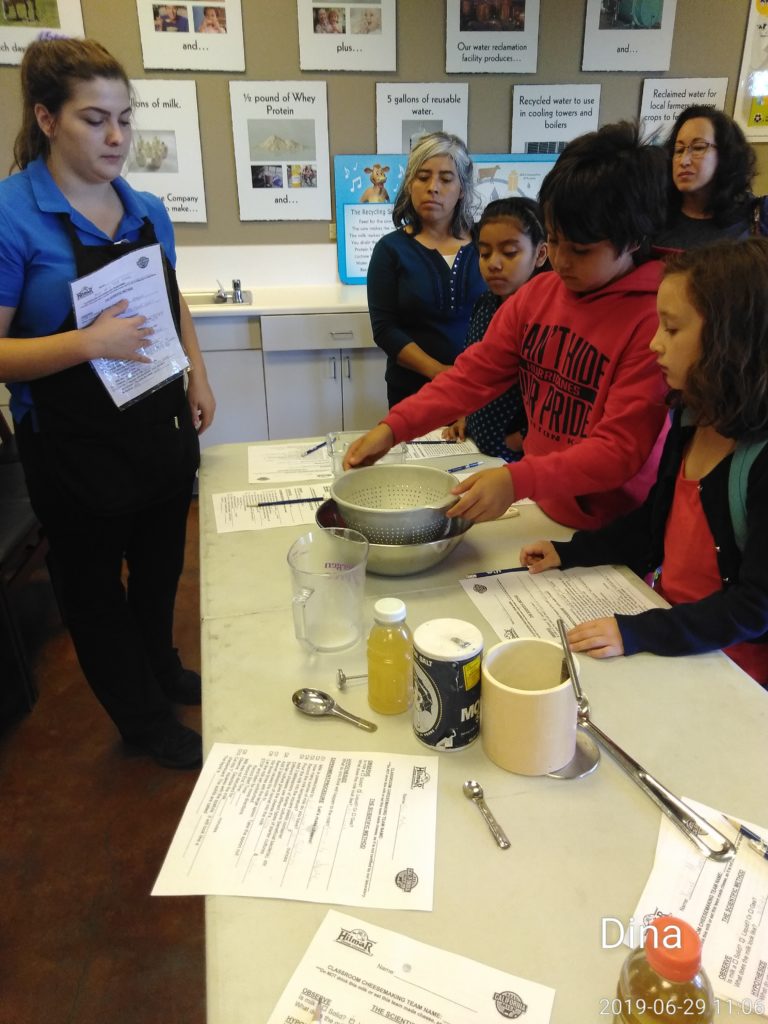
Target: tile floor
(85,828)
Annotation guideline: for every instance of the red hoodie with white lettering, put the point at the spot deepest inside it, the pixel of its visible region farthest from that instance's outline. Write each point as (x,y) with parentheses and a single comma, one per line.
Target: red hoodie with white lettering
(592,391)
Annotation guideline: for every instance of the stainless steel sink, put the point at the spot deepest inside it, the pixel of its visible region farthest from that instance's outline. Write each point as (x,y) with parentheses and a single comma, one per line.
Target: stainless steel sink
(212,298)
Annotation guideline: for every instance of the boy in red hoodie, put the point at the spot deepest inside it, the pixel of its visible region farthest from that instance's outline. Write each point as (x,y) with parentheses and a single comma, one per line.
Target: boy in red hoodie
(576,340)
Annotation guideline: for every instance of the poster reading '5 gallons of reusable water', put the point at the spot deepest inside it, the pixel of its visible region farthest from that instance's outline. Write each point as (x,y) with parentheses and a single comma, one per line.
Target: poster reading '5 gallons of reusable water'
(21,21)
(281,150)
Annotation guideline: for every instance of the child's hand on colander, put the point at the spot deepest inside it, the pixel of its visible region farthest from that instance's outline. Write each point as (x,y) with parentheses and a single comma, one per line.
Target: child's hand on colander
(484,496)
(370,447)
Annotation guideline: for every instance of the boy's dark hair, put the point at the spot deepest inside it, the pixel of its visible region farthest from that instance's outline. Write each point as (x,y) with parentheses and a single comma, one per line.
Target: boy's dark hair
(727,387)
(608,185)
(736,164)
(525,211)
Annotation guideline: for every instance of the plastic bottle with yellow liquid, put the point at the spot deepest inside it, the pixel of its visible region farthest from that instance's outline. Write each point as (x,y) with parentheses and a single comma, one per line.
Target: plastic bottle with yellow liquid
(664,980)
(390,659)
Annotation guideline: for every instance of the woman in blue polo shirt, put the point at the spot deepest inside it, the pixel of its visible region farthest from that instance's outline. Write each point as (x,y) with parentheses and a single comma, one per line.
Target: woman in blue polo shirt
(108,485)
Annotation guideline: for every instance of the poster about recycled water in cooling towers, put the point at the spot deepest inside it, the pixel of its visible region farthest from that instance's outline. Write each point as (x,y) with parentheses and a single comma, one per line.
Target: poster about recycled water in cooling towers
(165,156)
(281,150)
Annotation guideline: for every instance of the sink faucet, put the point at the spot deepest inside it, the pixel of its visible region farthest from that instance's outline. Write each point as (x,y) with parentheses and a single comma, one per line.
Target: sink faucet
(221,295)
(237,293)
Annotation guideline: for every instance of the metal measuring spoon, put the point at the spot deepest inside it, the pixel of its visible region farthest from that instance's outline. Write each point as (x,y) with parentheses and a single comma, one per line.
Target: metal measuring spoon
(317,702)
(587,755)
(474,791)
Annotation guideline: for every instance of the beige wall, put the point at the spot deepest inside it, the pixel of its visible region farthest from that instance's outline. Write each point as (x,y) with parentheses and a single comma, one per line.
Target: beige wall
(709,36)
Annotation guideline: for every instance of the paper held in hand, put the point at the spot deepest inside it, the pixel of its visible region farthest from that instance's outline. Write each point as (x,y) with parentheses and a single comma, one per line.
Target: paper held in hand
(139,277)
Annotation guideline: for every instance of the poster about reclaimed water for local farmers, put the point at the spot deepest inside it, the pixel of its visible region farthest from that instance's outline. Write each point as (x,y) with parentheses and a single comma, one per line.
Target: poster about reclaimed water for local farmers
(628,35)
(664,98)
(23,20)
(193,37)
(405,113)
(281,150)
(165,149)
(491,38)
(356,36)
(365,186)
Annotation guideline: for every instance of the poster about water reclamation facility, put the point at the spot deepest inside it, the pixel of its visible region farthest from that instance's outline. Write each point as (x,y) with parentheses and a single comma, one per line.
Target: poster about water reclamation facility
(498,38)
(280,134)
(23,20)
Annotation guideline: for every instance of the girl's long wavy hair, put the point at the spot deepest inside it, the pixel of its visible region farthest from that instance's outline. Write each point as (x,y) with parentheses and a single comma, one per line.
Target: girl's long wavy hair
(727,387)
(438,144)
(50,68)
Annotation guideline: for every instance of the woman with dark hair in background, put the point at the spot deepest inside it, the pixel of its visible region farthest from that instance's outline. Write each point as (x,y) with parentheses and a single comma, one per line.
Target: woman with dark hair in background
(711,170)
(424,278)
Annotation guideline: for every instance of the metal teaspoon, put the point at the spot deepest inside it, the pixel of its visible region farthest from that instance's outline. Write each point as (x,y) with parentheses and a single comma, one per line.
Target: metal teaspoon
(317,702)
(474,791)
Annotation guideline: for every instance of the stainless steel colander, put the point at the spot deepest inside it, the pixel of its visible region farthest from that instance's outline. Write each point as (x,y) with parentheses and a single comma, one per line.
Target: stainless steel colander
(396,504)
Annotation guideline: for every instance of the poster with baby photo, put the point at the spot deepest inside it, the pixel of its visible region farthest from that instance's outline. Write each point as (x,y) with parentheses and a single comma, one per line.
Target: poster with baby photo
(406,113)
(23,20)
(280,133)
(192,36)
(165,156)
(357,36)
(628,35)
(491,38)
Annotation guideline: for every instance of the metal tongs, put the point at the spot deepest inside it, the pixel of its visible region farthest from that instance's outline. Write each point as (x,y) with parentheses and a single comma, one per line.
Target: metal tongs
(705,837)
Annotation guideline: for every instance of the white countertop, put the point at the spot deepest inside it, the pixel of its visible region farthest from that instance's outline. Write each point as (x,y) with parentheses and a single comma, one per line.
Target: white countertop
(294,299)
(581,851)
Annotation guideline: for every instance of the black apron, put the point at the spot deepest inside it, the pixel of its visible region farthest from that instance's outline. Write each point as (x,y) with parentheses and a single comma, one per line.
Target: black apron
(80,449)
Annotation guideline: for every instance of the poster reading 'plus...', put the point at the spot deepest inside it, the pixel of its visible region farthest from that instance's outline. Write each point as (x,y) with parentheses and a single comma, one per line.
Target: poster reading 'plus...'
(281,150)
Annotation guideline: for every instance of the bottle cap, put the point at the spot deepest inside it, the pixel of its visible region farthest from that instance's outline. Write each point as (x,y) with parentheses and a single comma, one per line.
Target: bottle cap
(389,609)
(673,949)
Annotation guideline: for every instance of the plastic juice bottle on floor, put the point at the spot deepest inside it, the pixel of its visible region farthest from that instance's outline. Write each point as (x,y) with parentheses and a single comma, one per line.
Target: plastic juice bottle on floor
(664,980)
(390,659)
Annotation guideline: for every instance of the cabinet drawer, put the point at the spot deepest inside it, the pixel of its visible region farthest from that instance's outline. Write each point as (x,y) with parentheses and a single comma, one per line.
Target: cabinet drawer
(314,331)
(227,333)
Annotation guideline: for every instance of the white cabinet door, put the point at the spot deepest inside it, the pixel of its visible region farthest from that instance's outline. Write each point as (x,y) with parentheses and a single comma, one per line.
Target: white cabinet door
(303,393)
(237,380)
(364,390)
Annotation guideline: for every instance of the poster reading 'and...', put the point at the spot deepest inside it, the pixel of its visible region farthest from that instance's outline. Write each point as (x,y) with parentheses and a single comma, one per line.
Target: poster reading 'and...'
(356,36)
(546,117)
(406,113)
(665,98)
(281,150)
(751,109)
(21,21)
(165,154)
(491,38)
(628,35)
(192,36)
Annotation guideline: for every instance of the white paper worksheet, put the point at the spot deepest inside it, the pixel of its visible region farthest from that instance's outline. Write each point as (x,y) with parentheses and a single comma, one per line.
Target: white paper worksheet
(356,971)
(324,826)
(725,902)
(268,508)
(280,462)
(519,604)
(138,277)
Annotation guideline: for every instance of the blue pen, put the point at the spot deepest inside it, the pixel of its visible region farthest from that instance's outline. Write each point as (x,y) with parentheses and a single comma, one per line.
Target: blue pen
(496,572)
(469,465)
(758,845)
(314,448)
